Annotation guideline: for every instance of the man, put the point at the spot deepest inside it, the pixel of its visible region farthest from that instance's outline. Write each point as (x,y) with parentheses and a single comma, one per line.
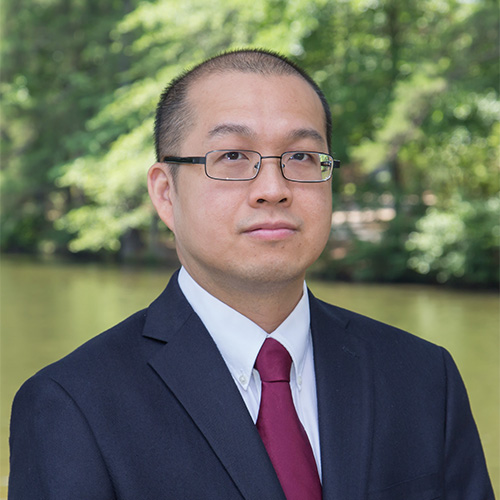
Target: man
(180,400)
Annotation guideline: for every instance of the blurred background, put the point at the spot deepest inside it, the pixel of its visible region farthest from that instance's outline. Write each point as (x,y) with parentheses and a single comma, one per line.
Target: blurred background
(414,91)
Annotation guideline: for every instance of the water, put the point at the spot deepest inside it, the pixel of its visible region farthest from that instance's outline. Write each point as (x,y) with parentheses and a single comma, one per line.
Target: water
(49,309)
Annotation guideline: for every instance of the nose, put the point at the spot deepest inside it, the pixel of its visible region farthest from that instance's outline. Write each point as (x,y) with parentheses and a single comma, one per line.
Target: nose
(270,186)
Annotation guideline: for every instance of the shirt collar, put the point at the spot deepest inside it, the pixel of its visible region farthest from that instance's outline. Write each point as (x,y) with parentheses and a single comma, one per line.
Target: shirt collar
(239,339)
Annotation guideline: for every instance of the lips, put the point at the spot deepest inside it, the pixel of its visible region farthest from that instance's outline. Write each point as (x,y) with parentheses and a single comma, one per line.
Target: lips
(275,230)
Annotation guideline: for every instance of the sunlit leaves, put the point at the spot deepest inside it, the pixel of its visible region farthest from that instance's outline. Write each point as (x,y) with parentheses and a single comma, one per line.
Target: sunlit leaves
(413,88)
(459,243)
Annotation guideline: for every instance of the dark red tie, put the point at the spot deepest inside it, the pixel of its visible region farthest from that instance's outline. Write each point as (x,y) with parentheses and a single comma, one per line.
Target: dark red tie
(284,437)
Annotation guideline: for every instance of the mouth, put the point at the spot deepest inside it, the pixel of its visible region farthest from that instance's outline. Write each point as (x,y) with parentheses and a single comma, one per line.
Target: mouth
(271,231)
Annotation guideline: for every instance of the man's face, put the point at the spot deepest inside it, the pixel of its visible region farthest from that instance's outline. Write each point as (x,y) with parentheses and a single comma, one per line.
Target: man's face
(243,235)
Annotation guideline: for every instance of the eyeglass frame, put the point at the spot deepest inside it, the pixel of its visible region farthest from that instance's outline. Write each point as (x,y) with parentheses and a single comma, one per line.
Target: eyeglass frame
(202,160)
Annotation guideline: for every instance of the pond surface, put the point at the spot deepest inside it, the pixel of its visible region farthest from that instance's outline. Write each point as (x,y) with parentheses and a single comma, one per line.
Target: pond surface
(48,309)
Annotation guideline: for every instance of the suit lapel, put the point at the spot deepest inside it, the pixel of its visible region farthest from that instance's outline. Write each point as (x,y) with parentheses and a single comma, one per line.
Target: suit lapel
(193,369)
(345,409)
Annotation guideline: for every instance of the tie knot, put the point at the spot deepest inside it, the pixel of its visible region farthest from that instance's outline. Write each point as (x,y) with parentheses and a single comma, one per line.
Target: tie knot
(273,362)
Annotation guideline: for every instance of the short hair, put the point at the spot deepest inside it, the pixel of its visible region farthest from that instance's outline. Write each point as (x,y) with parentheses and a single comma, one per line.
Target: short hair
(174,115)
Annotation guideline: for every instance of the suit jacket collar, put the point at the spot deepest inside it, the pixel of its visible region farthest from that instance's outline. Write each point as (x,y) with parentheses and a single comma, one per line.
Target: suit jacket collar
(191,366)
(193,369)
(345,402)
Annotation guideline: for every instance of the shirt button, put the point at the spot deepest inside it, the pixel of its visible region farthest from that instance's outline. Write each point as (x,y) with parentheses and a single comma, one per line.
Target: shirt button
(299,380)
(243,379)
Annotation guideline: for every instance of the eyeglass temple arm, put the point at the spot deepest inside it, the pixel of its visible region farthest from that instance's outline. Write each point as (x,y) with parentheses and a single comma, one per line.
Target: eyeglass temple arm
(184,159)
(335,164)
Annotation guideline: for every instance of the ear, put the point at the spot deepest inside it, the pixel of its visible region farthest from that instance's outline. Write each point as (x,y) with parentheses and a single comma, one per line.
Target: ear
(162,191)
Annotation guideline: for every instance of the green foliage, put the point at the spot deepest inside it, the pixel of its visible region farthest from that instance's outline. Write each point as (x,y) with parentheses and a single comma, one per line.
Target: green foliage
(413,88)
(412,103)
(460,244)
(381,261)
(57,71)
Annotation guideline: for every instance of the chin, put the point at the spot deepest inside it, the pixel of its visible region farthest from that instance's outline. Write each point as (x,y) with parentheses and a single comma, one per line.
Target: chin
(273,273)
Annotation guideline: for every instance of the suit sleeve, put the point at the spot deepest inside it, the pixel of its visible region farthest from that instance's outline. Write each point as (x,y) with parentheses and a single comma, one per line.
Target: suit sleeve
(54,454)
(465,466)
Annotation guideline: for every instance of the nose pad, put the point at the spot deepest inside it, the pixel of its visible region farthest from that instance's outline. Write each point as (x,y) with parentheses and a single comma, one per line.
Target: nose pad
(258,165)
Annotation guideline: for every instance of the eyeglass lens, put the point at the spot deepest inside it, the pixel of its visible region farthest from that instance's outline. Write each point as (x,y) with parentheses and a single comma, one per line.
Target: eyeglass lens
(302,166)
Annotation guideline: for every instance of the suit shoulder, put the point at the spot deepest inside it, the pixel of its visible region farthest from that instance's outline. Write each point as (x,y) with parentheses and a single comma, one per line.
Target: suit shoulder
(390,353)
(379,335)
(98,356)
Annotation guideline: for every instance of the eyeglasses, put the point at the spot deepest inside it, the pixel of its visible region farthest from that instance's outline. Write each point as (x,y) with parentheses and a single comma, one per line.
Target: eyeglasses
(244,165)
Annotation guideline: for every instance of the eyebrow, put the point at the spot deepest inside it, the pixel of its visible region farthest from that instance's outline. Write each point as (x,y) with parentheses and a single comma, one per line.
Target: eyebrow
(243,130)
(230,128)
(306,133)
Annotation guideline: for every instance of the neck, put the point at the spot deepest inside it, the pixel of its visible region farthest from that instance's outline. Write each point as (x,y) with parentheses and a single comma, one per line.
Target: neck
(266,304)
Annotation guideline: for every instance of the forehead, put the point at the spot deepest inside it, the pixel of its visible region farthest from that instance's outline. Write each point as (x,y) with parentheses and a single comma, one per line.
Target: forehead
(255,105)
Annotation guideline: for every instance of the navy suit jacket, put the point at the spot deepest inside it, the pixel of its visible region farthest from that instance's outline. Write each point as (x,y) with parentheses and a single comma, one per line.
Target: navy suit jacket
(148,410)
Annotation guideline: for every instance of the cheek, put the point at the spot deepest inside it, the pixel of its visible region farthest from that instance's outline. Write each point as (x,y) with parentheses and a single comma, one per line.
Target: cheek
(317,205)
(203,218)
(220,205)
(320,217)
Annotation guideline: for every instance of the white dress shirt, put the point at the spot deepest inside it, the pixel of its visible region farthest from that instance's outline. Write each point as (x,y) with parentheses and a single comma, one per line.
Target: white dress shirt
(239,341)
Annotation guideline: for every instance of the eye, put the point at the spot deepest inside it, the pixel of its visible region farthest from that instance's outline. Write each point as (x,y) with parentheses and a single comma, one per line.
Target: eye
(300,156)
(234,156)
(228,157)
